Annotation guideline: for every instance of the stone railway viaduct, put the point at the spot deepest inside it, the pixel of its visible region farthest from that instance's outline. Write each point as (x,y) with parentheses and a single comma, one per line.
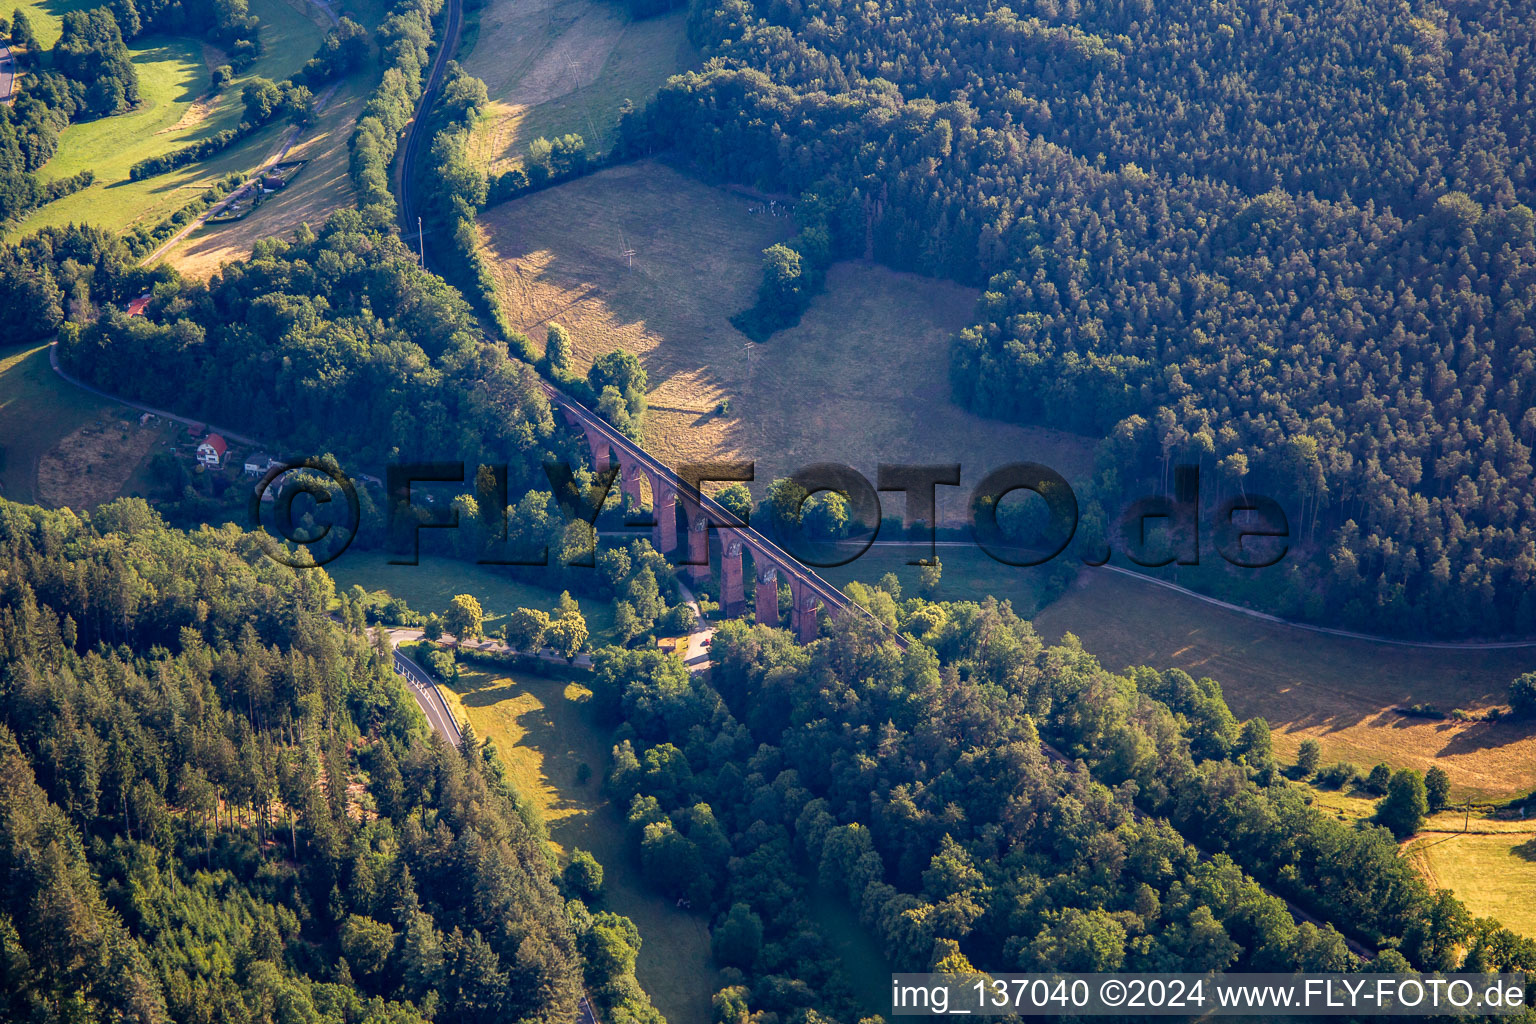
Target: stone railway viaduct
(668,490)
(701,513)
(809,591)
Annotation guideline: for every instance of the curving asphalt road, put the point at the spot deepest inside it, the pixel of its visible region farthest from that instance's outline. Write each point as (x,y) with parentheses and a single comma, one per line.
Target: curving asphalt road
(431,701)
(228,435)
(425,691)
(53,361)
(833,597)
(1434,645)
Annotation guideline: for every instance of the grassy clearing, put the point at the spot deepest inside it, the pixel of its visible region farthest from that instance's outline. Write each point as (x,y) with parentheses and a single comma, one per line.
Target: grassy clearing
(119,205)
(173,77)
(47,16)
(872,351)
(1489,863)
(1494,875)
(865,967)
(429,587)
(558,66)
(544,731)
(321,188)
(1339,691)
(37,411)
(95,464)
(1345,805)
(969,574)
(1357,804)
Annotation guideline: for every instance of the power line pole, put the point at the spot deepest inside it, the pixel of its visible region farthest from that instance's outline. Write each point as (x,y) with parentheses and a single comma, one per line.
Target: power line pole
(421,242)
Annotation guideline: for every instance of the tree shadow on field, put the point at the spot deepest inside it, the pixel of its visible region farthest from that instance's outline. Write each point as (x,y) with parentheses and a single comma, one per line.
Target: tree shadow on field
(59,8)
(696,264)
(559,726)
(1483,736)
(486,696)
(1297,680)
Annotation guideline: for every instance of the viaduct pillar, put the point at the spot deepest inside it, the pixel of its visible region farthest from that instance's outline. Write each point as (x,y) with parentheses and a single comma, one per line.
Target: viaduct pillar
(664,507)
(599,446)
(595,439)
(629,481)
(767,593)
(733,596)
(698,547)
(802,616)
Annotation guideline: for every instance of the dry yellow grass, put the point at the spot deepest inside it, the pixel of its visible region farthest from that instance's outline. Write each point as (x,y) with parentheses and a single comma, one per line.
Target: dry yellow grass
(525,51)
(1337,690)
(1489,863)
(863,379)
(321,188)
(93,464)
(1494,875)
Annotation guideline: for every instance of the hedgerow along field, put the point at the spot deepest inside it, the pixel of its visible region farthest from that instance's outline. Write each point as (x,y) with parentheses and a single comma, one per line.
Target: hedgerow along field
(173,76)
(553,67)
(429,586)
(321,188)
(864,378)
(544,731)
(1339,691)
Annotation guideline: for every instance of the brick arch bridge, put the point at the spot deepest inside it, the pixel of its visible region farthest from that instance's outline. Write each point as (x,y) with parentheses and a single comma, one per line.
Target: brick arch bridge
(701,513)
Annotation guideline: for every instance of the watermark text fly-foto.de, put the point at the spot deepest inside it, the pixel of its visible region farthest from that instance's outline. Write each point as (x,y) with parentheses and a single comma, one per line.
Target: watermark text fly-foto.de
(1250,531)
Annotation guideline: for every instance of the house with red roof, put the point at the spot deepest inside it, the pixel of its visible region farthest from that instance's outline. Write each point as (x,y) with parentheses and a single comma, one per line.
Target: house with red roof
(211,452)
(137,306)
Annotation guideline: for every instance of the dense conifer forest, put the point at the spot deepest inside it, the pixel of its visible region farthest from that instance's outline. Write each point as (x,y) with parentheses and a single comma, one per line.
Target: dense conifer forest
(1289,244)
(220,805)
(1292,244)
